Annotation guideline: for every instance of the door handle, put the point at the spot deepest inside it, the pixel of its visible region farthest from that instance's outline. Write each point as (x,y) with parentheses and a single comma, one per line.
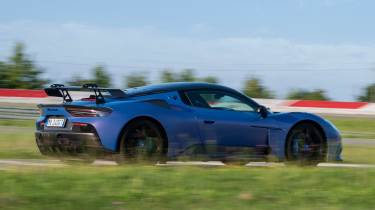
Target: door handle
(209,122)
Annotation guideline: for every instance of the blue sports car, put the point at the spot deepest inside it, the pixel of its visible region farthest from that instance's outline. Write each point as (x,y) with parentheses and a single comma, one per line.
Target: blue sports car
(164,122)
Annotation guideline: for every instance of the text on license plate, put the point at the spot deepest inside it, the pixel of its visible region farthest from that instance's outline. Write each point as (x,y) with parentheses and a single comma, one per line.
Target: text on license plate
(56,122)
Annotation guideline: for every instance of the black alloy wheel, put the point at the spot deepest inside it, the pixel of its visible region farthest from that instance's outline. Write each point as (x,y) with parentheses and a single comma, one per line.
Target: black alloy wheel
(143,142)
(306,145)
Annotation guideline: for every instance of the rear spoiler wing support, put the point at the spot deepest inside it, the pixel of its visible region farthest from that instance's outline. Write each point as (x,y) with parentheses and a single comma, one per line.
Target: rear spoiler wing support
(99,97)
(65,94)
(59,90)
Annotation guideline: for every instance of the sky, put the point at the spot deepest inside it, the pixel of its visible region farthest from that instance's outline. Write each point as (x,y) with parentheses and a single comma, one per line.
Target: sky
(288,44)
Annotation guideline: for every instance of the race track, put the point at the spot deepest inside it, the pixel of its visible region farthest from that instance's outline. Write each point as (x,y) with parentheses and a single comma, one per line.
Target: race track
(21,163)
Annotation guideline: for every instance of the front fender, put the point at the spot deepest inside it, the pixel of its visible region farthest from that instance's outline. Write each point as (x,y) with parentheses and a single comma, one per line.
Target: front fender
(282,123)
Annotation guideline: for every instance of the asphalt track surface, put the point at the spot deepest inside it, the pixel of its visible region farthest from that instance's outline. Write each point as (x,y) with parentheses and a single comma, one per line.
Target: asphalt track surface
(22,163)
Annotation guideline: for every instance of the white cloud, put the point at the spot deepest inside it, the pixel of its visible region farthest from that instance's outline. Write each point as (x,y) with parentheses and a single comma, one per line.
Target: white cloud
(61,47)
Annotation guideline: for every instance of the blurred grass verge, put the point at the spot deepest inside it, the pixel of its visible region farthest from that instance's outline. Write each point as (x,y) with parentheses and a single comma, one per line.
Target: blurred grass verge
(17,140)
(17,123)
(363,128)
(151,187)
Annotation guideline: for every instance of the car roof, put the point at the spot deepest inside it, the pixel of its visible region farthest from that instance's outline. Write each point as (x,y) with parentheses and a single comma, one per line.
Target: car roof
(173,86)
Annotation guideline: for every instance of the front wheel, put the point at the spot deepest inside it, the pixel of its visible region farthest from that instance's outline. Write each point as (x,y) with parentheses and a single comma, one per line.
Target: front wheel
(306,145)
(143,141)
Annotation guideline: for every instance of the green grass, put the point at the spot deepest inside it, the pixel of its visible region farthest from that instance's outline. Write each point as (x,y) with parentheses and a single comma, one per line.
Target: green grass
(18,142)
(355,127)
(17,123)
(152,187)
(359,154)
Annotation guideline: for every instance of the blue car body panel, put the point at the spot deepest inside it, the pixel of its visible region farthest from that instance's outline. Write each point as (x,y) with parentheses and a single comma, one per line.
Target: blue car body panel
(186,126)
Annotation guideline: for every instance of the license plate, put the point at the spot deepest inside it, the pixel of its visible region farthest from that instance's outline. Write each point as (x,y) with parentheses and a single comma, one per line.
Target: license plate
(56,122)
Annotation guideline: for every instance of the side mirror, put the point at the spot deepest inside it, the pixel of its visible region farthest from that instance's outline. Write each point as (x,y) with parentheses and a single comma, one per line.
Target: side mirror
(263,111)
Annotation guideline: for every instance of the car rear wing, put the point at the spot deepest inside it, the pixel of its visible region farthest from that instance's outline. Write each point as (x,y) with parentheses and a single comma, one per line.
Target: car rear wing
(59,90)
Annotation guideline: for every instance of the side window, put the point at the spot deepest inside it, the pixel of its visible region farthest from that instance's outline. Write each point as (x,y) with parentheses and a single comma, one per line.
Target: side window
(217,100)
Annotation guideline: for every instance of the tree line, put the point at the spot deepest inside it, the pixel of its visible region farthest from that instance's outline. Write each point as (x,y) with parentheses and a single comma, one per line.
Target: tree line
(21,72)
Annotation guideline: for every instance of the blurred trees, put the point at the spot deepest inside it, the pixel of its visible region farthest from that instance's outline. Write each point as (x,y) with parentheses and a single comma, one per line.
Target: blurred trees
(103,79)
(302,94)
(167,76)
(186,75)
(210,79)
(77,80)
(20,71)
(136,80)
(3,74)
(99,76)
(368,94)
(254,88)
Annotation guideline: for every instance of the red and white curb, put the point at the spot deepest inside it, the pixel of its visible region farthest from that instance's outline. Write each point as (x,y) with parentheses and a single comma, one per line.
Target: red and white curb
(354,109)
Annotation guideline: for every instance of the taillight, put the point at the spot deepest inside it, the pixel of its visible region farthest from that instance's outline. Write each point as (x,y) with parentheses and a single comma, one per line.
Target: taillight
(79,124)
(82,127)
(88,111)
(40,125)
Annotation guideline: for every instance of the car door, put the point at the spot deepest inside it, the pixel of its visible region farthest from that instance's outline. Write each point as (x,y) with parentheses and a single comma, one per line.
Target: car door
(226,120)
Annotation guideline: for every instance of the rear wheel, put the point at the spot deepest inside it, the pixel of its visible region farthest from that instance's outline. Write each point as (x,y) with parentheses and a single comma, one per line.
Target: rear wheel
(143,141)
(306,145)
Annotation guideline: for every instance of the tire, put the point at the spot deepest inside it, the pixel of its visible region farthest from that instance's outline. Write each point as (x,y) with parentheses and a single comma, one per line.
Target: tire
(306,145)
(142,141)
